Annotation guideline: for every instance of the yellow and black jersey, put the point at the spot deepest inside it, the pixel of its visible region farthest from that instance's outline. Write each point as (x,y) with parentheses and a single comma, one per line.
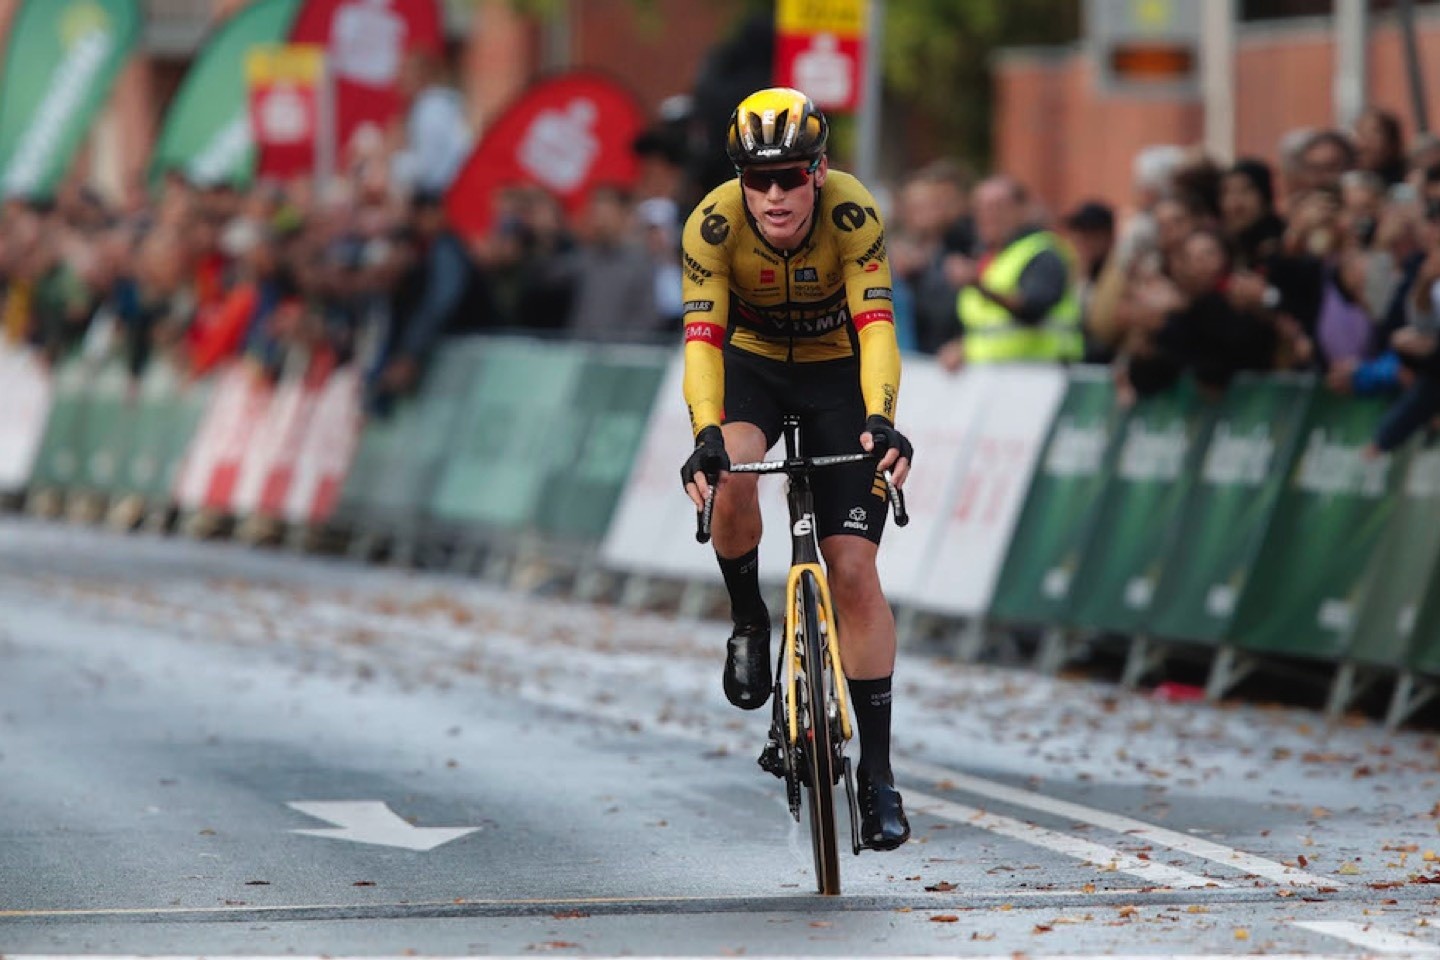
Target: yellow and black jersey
(829,299)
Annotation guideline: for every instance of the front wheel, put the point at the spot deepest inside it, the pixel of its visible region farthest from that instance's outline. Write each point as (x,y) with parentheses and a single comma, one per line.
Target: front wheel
(815,735)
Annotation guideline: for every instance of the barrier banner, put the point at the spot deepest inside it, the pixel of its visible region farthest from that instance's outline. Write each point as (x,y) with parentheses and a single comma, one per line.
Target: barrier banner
(400,455)
(25,397)
(1141,510)
(207,127)
(937,412)
(167,415)
(57,463)
(652,530)
(326,450)
(1401,568)
(268,463)
(212,464)
(1241,472)
(1423,654)
(1055,525)
(107,429)
(996,420)
(519,424)
(1302,595)
(614,392)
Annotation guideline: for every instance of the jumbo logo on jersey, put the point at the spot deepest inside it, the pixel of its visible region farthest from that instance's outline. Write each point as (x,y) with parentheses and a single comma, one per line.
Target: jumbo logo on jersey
(807,275)
(714,228)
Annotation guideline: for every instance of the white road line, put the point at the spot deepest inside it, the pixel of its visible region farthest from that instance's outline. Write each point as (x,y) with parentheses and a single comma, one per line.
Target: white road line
(1371,938)
(1206,849)
(1100,856)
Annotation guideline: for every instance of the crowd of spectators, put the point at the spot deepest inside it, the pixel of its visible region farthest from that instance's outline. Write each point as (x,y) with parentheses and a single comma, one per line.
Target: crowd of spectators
(1326,262)
(295,279)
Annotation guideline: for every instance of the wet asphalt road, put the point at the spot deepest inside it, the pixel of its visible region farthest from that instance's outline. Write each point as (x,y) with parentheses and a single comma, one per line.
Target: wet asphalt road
(173,716)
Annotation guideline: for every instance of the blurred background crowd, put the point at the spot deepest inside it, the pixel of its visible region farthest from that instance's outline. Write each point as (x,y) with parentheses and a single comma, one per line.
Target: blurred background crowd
(1326,261)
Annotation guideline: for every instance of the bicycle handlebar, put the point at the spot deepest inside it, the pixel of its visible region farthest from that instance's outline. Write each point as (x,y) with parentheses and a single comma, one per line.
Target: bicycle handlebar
(799,465)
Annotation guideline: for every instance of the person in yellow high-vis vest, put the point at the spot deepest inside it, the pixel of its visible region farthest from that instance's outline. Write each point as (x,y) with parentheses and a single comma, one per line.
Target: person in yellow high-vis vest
(1017,301)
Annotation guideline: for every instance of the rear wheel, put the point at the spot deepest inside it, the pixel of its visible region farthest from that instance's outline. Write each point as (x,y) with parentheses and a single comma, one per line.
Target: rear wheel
(815,733)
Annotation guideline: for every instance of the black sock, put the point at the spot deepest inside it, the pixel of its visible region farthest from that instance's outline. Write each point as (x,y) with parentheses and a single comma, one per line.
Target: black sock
(872,715)
(742,580)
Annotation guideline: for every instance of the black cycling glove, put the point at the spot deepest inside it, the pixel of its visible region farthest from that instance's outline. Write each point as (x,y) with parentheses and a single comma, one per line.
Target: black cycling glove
(709,456)
(886,437)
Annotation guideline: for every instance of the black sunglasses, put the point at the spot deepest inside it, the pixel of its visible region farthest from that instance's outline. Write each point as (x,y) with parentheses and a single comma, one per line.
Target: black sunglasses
(786,178)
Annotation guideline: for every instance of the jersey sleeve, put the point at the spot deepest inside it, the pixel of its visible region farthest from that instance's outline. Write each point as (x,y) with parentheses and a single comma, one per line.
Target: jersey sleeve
(868,292)
(705,264)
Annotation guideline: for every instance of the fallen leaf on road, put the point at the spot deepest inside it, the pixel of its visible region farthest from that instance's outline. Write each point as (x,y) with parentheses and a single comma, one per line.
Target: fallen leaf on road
(944,918)
(1348,870)
(363,883)
(944,886)
(977,935)
(1042,928)
(570,915)
(1241,933)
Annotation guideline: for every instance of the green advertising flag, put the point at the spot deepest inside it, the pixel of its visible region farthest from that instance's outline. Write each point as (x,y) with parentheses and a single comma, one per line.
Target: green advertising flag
(1242,469)
(1140,511)
(1303,595)
(207,128)
(61,60)
(1402,567)
(1055,525)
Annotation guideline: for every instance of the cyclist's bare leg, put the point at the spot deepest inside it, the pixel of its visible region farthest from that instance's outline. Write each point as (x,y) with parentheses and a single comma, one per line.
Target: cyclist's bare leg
(736,529)
(867,652)
(867,625)
(735,525)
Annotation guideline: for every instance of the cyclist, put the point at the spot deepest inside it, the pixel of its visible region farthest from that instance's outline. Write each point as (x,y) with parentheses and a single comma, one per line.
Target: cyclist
(788,310)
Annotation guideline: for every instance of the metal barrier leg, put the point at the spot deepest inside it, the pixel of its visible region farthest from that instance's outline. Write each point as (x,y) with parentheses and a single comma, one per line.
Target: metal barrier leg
(1227,670)
(695,598)
(637,592)
(971,642)
(1405,700)
(1054,652)
(1144,657)
(1347,686)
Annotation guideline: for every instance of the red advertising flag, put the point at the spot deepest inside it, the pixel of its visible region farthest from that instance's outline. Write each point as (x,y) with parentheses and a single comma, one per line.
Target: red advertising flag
(566,134)
(285,92)
(367,41)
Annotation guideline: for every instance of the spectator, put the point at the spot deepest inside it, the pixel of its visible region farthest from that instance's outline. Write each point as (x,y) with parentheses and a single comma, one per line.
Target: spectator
(1363,194)
(1090,229)
(612,274)
(1247,214)
(657,218)
(1018,303)
(1325,156)
(437,132)
(1207,334)
(1380,145)
(931,221)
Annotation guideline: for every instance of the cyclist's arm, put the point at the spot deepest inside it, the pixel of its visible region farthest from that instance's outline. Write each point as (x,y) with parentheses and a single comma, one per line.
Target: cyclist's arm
(870,296)
(706,269)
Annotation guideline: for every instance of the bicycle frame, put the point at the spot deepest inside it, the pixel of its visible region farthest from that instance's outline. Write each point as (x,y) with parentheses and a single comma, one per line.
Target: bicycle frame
(805,555)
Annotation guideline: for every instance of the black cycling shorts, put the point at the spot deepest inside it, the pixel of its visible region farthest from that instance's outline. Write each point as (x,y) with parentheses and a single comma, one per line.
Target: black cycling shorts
(826,396)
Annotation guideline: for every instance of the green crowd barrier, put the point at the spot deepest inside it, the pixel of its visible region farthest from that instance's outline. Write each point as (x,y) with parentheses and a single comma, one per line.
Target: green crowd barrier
(1423,651)
(57,463)
(517,425)
(1060,514)
(1140,511)
(107,427)
(1302,595)
(399,456)
(1401,570)
(1241,471)
(613,395)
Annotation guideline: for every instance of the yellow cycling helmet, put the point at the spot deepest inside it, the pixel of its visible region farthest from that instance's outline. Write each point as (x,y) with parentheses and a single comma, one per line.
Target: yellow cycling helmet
(775,125)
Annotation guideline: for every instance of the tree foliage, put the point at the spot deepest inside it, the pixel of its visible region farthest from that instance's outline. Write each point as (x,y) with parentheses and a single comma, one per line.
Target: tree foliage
(939,56)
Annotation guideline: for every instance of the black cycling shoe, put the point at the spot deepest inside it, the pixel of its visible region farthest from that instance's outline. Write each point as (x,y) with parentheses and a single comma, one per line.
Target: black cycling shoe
(882,813)
(747,666)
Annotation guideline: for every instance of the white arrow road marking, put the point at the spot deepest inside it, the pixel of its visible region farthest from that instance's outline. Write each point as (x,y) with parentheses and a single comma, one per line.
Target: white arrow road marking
(1206,849)
(371,821)
(1371,938)
(1093,853)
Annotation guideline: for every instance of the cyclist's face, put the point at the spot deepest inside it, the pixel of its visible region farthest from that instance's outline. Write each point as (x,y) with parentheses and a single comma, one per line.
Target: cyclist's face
(781,198)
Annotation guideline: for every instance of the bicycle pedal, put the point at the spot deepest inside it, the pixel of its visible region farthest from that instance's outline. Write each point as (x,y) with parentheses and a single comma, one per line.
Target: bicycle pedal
(771,760)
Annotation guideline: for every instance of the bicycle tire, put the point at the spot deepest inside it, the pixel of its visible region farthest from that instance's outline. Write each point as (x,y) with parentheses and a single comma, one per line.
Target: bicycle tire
(816,736)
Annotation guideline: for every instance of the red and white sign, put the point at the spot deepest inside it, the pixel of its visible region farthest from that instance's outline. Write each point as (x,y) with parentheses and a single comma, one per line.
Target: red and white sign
(287,86)
(366,42)
(567,134)
(820,50)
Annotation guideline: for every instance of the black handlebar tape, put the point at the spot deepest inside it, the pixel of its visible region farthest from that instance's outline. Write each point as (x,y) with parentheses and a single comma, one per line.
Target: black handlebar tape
(702,517)
(897,501)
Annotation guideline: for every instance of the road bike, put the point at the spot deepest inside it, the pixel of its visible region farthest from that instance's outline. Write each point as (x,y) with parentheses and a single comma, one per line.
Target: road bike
(810,721)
